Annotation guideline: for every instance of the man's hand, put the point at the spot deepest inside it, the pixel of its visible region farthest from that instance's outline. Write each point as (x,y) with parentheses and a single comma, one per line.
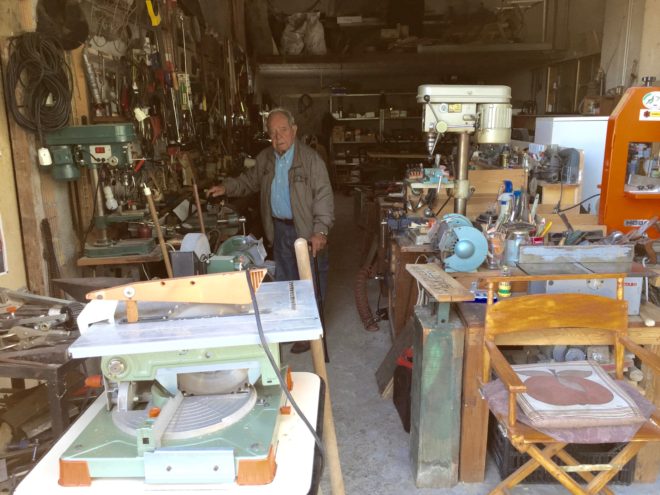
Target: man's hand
(216,191)
(318,243)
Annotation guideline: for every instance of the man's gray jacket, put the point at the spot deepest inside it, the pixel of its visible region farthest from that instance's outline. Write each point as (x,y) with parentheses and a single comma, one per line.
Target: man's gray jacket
(312,202)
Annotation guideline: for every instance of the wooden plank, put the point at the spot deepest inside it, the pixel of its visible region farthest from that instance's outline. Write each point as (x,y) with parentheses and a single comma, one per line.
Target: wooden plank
(80,99)
(548,276)
(385,371)
(474,409)
(436,392)
(489,182)
(406,245)
(407,156)
(238,22)
(402,292)
(153,256)
(552,193)
(439,284)
(28,192)
(228,288)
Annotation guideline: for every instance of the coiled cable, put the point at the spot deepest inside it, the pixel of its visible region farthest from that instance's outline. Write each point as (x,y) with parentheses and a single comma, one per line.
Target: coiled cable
(38,83)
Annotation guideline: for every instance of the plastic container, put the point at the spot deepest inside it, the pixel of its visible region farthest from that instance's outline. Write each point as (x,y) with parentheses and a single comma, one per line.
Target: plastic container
(505,197)
(508,459)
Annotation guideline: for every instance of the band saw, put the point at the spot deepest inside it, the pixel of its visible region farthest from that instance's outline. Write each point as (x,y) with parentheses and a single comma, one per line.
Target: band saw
(190,394)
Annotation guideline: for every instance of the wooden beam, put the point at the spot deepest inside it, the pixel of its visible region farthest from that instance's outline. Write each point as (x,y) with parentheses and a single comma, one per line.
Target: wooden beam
(435,412)
(238,22)
(28,192)
(80,100)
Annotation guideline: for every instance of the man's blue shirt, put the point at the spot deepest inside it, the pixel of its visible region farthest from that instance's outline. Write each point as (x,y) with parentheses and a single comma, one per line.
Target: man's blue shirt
(280,200)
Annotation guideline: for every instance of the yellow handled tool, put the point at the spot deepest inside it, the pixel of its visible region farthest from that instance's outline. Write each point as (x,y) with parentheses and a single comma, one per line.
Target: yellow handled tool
(154,12)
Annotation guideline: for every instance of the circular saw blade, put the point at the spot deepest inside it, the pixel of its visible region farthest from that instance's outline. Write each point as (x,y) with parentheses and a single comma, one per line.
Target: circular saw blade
(212,382)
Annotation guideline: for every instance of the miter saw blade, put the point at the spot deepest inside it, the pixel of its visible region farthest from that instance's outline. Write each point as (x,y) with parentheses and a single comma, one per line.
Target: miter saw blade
(213,382)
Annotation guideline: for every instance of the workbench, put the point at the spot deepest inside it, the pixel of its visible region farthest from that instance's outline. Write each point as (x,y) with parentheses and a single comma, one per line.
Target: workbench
(48,364)
(435,334)
(474,415)
(119,262)
(296,462)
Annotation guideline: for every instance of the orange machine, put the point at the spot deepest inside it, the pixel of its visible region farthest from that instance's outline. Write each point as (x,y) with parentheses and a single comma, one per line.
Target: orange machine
(630,189)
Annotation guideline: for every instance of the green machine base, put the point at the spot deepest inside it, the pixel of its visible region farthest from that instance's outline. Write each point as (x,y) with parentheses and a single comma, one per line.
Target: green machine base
(112,452)
(128,247)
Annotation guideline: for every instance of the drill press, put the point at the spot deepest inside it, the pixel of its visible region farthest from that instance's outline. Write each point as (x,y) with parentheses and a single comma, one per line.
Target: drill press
(106,150)
(482,110)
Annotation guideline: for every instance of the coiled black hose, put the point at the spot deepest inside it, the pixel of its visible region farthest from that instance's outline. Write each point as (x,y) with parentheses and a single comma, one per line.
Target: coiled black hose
(38,83)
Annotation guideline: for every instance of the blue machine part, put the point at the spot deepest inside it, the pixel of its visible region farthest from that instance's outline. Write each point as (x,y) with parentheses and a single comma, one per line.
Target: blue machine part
(462,247)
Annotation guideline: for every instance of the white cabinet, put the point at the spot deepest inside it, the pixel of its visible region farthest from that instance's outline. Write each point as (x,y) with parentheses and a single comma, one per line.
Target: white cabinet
(584,133)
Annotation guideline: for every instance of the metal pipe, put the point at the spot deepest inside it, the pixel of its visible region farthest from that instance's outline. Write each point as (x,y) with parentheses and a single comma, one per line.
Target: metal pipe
(576,94)
(461,183)
(626,45)
(544,22)
(102,232)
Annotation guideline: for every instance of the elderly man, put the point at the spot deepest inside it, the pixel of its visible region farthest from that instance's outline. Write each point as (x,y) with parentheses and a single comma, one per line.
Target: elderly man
(296,198)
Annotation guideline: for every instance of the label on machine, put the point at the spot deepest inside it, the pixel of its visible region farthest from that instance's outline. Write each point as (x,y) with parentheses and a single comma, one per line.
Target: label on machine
(651,100)
(653,115)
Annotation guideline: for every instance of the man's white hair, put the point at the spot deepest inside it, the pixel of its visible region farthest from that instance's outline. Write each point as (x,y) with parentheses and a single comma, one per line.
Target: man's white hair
(283,111)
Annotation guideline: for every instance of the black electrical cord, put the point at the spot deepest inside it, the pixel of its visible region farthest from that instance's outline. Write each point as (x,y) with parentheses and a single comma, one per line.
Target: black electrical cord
(577,204)
(276,369)
(38,83)
(449,196)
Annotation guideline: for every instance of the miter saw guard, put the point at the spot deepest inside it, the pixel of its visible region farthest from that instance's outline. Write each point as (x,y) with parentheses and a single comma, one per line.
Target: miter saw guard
(462,247)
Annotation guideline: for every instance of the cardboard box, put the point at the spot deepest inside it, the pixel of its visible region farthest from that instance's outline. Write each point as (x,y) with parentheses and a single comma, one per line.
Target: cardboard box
(338,133)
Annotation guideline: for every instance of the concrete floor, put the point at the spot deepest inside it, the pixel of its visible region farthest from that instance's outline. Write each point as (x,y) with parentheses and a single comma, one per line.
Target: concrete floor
(372,443)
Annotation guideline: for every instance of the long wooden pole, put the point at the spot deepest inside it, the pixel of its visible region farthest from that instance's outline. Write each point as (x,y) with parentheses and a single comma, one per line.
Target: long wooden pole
(318,358)
(199,208)
(159,232)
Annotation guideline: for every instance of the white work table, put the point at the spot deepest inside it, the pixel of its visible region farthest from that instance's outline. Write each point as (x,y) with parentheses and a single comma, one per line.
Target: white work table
(295,458)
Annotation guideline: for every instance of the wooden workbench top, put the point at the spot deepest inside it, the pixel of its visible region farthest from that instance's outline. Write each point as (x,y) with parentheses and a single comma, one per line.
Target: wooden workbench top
(439,284)
(407,246)
(155,255)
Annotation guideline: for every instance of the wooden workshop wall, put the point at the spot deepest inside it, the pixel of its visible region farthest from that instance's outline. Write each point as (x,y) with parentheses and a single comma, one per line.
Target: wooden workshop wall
(40,198)
(11,226)
(9,208)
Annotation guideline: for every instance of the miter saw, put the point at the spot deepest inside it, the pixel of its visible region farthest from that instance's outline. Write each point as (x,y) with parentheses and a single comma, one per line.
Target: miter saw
(192,396)
(461,247)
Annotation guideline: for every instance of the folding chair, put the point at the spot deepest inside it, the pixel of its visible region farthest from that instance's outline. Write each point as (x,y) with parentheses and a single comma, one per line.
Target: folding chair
(562,319)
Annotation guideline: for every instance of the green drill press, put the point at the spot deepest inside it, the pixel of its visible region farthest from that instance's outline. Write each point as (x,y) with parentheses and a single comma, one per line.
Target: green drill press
(107,151)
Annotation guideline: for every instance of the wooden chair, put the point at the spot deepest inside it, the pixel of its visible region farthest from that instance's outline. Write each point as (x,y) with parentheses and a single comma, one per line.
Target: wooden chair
(562,318)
